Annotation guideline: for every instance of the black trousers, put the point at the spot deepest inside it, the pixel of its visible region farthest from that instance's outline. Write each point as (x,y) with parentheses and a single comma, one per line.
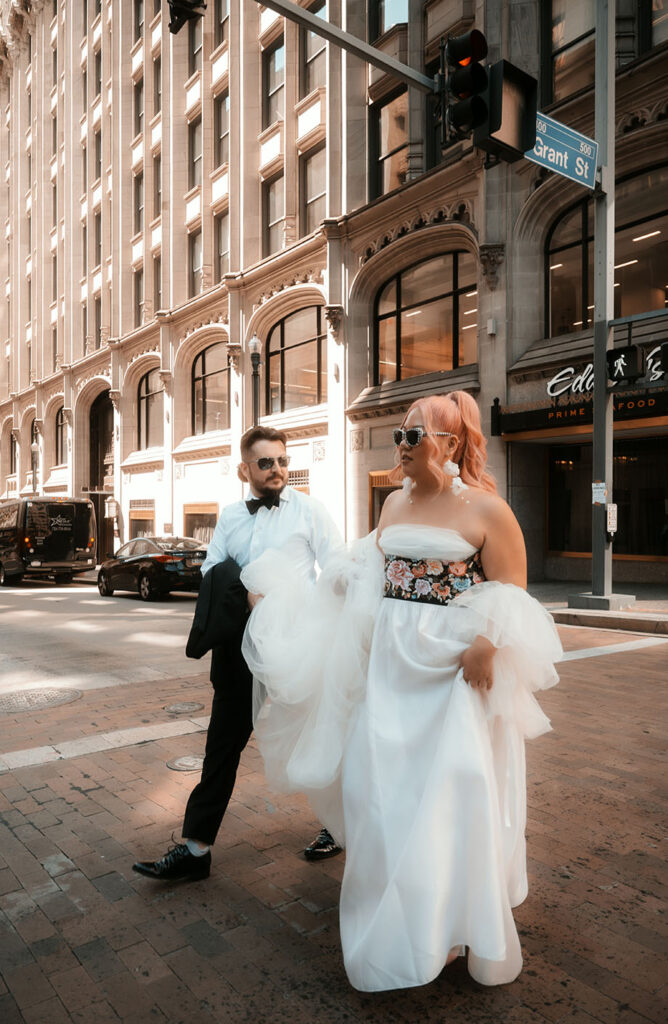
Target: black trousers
(229,731)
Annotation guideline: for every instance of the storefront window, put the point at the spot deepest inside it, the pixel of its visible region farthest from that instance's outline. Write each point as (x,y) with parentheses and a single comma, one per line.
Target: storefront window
(426,318)
(211,390)
(641,255)
(640,491)
(297,361)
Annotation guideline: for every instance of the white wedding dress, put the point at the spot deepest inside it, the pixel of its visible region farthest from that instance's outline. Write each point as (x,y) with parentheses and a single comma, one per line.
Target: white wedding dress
(361,705)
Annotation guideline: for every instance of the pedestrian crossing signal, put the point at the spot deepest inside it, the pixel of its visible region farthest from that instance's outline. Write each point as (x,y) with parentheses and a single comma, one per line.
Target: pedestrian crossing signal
(624,364)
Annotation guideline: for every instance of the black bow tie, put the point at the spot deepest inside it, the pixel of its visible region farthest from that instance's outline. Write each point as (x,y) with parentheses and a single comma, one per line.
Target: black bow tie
(253,504)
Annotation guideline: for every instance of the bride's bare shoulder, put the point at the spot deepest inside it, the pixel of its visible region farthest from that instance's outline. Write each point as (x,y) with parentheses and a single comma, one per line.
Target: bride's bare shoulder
(489,506)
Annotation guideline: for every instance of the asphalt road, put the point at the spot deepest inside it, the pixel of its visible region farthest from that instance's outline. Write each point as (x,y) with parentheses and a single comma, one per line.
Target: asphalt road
(69,636)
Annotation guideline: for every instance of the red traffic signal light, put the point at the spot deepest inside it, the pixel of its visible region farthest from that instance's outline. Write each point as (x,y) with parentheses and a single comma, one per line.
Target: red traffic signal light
(461,90)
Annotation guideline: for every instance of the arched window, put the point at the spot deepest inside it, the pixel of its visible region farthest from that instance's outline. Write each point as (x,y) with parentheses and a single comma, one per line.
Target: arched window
(12,455)
(297,361)
(149,410)
(60,437)
(211,390)
(425,318)
(641,255)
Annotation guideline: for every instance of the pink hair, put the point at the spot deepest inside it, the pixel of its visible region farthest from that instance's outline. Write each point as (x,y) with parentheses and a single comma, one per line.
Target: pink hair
(455,413)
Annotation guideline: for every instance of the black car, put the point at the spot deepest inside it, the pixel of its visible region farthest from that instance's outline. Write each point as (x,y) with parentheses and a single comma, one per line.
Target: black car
(153,566)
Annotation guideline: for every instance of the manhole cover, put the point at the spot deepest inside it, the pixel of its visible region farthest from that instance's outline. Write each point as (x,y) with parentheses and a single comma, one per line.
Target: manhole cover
(185,707)
(35,700)
(186,764)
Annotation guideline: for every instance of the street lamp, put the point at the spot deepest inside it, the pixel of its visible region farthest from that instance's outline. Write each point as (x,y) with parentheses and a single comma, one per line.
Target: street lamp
(34,452)
(255,350)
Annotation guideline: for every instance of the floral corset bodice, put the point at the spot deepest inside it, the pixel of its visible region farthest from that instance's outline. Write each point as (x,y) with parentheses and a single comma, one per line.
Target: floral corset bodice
(430,580)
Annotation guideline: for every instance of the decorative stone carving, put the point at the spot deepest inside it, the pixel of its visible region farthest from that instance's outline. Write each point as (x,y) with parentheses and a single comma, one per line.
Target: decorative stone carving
(313,276)
(167,381)
(334,317)
(492,255)
(459,212)
(234,353)
(68,416)
(115,397)
(319,451)
(356,440)
(16,434)
(38,426)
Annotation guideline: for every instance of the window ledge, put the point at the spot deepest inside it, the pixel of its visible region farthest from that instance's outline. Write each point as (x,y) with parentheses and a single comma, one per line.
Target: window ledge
(212,444)
(299,422)
(397,395)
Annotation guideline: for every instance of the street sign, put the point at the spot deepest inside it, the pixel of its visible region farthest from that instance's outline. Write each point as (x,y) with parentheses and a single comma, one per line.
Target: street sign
(565,151)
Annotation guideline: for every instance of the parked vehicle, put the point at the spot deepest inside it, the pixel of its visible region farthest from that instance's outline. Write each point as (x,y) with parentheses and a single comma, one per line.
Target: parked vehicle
(152,566)
(46,537)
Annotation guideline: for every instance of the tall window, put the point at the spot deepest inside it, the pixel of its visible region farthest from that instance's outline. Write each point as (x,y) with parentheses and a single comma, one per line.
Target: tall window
(194,45)
(390,144)
(641,255)
(84,249)
(54,279)
(97,311)
(273,201)
(84,325)
(313,190)
(138,20)
(54,349)
(54,204)
(138,92)
(139,202)
(98,238)
(297,361)
(273,78)
(195,153)
(98,72)
(211,390)
(84,168)
(222,233)
(385,14)
(313,54)
(60,437)
(139,297)
(157,185)
(84,89)
(54,65)
(157,85)
(222,14)
(12,455)
(149,410)
(425,318)
(195,263)
(157,283)
(54,135)
(98,154)
(568,50)
(221,120)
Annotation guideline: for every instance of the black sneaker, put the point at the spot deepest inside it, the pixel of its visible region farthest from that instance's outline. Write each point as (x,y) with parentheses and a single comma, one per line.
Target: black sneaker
(178,865)
(324,845)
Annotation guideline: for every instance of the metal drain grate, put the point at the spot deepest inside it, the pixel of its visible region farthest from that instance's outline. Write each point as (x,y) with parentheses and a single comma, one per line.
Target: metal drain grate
(184,707)
(186,764)
(36,700)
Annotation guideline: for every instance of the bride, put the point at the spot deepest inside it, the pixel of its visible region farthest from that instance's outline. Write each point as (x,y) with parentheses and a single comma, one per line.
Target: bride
(397,694)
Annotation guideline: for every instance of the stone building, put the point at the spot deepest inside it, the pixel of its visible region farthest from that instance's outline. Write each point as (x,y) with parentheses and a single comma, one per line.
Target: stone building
(166,198)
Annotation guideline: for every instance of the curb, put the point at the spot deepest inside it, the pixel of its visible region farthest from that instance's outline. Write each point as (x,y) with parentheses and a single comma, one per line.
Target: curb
(630,621)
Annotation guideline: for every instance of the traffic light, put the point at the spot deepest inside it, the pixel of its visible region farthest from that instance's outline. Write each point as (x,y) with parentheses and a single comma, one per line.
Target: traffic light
(508,130)
(624,363)
(182,11)
(462,80)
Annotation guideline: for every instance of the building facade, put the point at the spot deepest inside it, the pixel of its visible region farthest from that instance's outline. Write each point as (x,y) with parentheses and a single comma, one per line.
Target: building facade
(166,198)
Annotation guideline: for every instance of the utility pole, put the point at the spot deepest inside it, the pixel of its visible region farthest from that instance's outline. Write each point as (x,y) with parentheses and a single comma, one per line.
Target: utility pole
(601,595)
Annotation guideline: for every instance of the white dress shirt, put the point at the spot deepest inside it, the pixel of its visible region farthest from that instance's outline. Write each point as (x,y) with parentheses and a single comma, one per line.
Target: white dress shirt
(299,519)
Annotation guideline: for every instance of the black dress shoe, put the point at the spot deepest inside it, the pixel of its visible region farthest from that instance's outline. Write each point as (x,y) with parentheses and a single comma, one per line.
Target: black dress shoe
(178,865)
(323,846)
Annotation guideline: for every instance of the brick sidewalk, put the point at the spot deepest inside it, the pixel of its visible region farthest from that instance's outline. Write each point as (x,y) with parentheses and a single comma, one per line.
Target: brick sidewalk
(83,939)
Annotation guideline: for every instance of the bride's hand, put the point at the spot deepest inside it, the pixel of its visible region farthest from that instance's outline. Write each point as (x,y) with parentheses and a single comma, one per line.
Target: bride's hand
(477,664)
(253,599)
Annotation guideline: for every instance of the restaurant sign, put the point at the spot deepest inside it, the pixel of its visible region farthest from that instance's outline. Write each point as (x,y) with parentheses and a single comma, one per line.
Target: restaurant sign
(627,406)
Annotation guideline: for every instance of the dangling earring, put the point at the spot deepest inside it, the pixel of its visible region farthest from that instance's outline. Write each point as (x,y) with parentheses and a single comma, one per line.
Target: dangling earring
(450,468)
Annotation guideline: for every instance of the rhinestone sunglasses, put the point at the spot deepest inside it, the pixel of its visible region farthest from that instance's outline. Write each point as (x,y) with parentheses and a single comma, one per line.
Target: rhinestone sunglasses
(413,435)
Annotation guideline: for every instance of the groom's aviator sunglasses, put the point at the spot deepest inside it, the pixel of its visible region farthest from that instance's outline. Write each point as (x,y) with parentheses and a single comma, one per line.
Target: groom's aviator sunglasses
(413,435)
(267,462)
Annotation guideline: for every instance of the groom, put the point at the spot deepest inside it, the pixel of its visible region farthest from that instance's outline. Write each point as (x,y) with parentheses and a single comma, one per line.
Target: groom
(273,515)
